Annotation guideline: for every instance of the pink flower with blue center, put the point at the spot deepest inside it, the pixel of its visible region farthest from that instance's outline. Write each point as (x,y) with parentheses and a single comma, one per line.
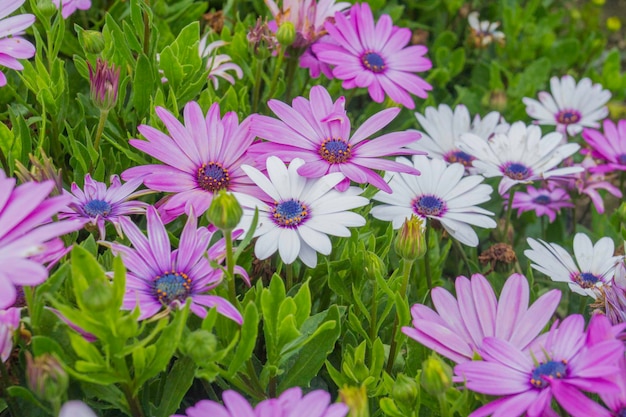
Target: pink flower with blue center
(543,201)
(609,147)
(159,277)
(561,367)
(375,56)
(12,45)
(319,132)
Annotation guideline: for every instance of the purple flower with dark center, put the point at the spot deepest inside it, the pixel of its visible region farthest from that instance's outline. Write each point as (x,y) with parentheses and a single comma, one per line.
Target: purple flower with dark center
(544,201)
(159,277)
(609,147)
(318,132)
(13,46)
(375,56)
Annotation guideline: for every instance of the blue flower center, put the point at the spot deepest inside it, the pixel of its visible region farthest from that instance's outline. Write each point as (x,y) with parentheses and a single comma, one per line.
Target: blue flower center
(622,412)
(567,117)
(546,371)
(460,157)
(96,208)
(621,159)
(289,213)
(335,150)
(373,62)
(213,177)
(586,279)
(429,206)
(543,200)
(172,286)
(516,171)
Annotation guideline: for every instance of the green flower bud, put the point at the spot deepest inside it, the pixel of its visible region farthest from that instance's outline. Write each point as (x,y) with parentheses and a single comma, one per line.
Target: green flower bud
(286,34)
(436,376)
(410,243)
(45,377)
(356,399)
(98,296)
(200,345)
(127,327)
(224,211)
(92,41)
(405,391)
(374,266)
(46,8)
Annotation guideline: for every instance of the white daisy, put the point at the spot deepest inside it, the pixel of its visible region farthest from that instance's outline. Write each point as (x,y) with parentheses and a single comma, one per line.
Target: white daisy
(519,156)
(484,32)
(571,106)
(218,64)
(298,213)
(595,264)
(444,128)
(440,193)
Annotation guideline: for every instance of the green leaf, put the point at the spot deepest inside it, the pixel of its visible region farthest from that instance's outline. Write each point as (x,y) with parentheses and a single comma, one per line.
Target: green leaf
(85,271)
(143,86)
(247,341)
(179,380)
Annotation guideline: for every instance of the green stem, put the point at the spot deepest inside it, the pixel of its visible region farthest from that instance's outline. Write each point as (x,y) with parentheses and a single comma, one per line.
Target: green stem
(289,275)
(406,272)
(146,29)
(443,405)
(5,383)
(429,276)
(459,248)
(100,129)
(292,66)
(133,402)
(256,92)
(277,68)
(373,318)
(230,268)
(509,210)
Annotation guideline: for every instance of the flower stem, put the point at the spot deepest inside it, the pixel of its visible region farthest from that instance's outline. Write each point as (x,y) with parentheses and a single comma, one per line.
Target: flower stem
(100,129)
(133,402)
(277,68)
(289,277)
(406,272)
(507,221)
(374,312)
(230,268)
(256,92)
(429,276)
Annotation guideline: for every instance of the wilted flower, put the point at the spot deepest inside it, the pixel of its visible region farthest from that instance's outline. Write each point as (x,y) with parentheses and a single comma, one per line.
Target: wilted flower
(42,169)
(261,39)
(218,64)
(104,83)
(46,377)
(70,6)
(484,32)
(613,297)
(13,46)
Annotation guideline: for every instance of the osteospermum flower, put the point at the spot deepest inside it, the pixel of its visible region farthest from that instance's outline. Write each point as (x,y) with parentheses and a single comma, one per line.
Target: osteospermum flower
(616,401)
(98,204)
(318,132)
(296,213)
(290,403)
(483,32)
(571,106)
(609,147)
(76,408)
(218,65)
(543,201)
(594,267)
(440,193)
(201,157)
(559,369)
(458,328)
(519,156)
(68,7)
(13,46)
(375,56)
(9,322)
(159,277)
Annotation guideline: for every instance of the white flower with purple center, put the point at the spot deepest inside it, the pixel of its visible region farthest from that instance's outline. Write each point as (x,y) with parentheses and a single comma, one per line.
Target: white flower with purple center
(571,106)
(298,213)
(519,156)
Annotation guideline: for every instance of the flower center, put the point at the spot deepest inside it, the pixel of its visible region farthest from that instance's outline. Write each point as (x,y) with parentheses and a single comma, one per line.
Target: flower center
(289,213)
(373,62)
(213,177)
(172,286)
(621,159)
(96,208)
(335,150)
(567,117)
(546,371)
(429,205)
(622,412)
(516,171)
(543,200)
(460,157)
(586,279)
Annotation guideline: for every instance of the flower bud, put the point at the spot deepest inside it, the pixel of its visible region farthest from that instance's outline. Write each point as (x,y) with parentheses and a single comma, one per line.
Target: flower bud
(224,211)
(410,243)
(614,24)
(356,399)
(436,376)
(405,391)
(104,83)
(46,8)
(200,345)
(42,169)
(98,296)
(286,34)
(45,377)
(374,266)
(92,41)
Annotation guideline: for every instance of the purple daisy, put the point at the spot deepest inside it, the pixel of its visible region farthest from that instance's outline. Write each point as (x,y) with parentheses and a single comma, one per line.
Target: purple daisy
(610,147)
(159,277)
(290,403)
(96,204)
(318,132)
(68,7)
(9,322)
(544,201)
(13,46)
(458,328)
(201,157)
(562,367)
(375,56)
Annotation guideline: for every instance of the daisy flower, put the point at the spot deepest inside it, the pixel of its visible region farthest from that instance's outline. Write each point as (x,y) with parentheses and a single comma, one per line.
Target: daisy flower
(609,147)
(616,401)
(296,213)
(68,7)
(201,157)
(458,327)
(97,205)
(13,46)
(441,193)
(76,408)
(484,32)
(9,322)
(571,106)
(613,297)
(561,369)
(159,277)
(318,132)
(519,156)
(218,64)
(544,201)
(594,267)
(309,60)
(375,56)
(289,403)
(443,129)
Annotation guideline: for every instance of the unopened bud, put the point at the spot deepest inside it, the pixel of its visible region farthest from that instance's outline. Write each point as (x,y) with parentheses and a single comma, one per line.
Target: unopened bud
(46,8)
(410,243)
(436,376)
(374,266)
(286,34)
(614,24)
(200,345)
(224,211)
(98,296)
(104,83)
(405,391)
(45,377)
(356,399)
(92,41)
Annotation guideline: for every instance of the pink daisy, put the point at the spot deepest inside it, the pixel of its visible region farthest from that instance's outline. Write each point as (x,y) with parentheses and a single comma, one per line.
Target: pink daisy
(13,46)
(610,147)
(544,201)
(68,7)
(375,56)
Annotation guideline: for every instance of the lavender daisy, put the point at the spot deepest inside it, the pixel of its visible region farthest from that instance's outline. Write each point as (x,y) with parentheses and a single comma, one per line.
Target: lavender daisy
(609,147)
(9,322)
(519,156)
(159,277)
(458,328)
(318,132)
(201,157)
(441,193)
(218,64)
(543,201)
(296,213)
(13,46)
(571,106)
(594,267)
(561,368)
(375,56)
(68,7)
(290,403)
(98,204)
